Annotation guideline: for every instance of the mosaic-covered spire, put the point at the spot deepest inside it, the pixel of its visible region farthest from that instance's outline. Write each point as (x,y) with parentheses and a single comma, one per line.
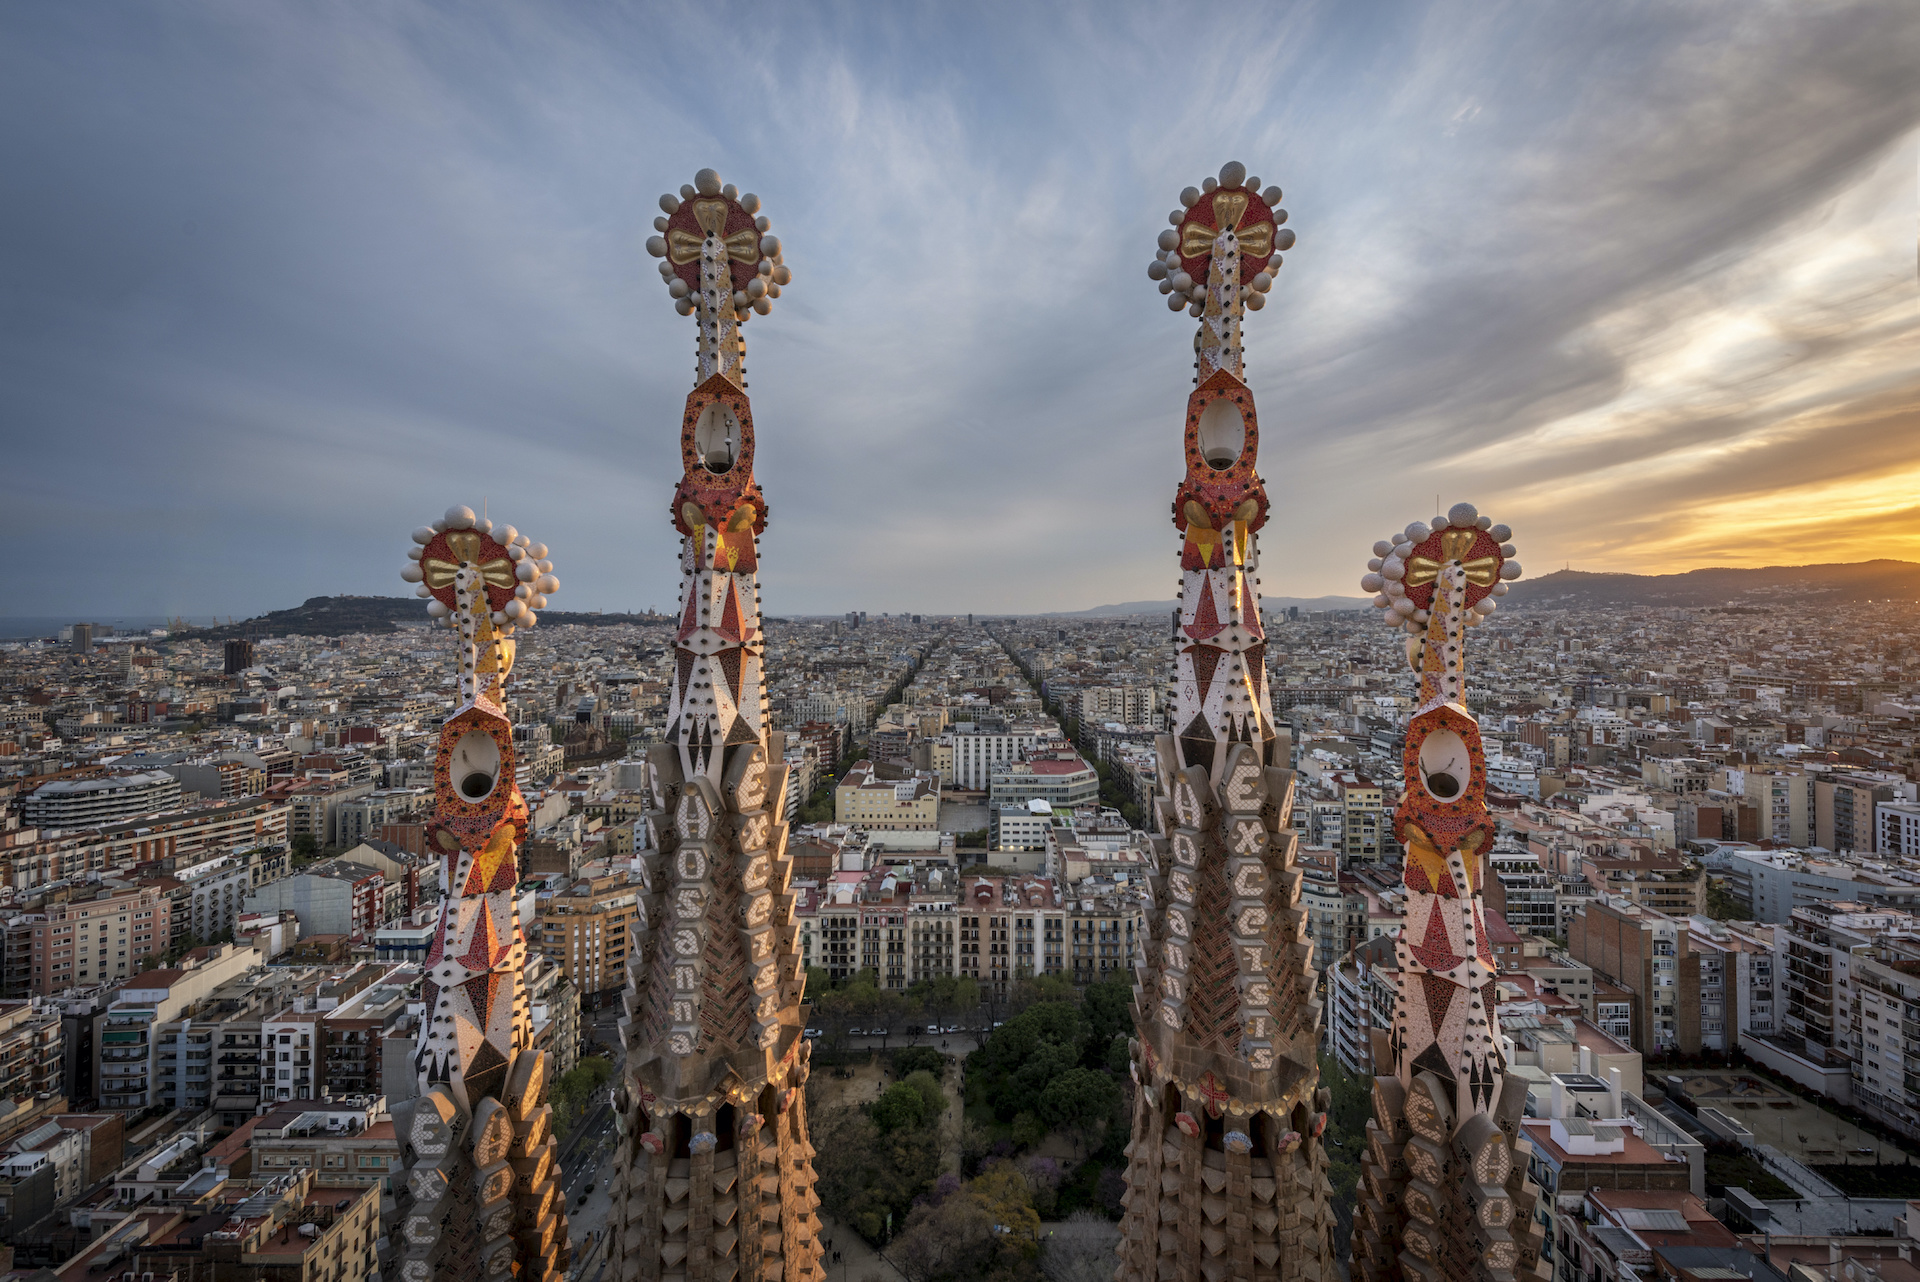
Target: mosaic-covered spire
(1444,1191)
(481,1196)
(715,1168)
(1225,1173)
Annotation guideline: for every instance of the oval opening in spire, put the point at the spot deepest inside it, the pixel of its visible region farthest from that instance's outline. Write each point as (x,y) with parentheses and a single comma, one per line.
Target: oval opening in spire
(716,438)
(1223,434)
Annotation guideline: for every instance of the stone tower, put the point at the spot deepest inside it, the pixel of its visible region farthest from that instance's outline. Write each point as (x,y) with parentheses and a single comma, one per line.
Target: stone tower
(481,1197)
(1444,1193)
(715,1172)
(1225,1172)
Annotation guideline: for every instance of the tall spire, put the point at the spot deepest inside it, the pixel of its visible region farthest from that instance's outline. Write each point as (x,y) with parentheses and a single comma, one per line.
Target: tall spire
(715,1168)
(1445,1193)
(1225,1173)
(480,1197)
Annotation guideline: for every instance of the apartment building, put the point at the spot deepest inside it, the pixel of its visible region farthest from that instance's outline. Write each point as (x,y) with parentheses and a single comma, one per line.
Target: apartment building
(79,943)
(585,930)
(100,800)
(31,1047)
(140,1061)
(1640,951)
(338,897)
(1106,932)
(1737,993)
(344,1141)
(979,749)
(302,1227)
(1365,823)
(1771,884)
(315,809)
(1062,782)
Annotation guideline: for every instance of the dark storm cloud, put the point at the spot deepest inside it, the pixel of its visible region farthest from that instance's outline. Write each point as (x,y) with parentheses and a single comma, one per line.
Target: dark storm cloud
(280,283)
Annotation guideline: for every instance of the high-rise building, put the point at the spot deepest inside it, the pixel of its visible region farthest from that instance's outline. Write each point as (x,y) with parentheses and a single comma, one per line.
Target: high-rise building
(481,1196)
(239,655)
(1225,1171)
(1446,1191)
(714,1173)
(83,638)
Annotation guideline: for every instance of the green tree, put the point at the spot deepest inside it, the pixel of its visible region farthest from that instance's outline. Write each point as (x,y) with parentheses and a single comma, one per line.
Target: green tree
(919,1059)
(900,1105)
(1024,1054)
(1109,1009)
(1081,1102)
(304,848)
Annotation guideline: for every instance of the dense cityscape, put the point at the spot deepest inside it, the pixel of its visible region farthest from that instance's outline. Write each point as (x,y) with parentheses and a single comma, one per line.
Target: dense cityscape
(219,898)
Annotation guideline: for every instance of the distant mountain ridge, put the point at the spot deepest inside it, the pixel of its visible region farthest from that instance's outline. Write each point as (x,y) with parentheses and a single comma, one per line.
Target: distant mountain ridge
(338,616)
(1832,584)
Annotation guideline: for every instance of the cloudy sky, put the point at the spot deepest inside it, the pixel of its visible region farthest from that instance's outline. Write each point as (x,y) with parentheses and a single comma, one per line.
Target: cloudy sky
(280,282)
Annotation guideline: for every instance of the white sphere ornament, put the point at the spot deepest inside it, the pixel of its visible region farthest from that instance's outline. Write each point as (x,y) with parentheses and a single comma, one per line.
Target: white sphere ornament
(1271,195)
(1485,605)
(1165,287)
(1196,310)
(670,203)
(1232,174)
(687,192)
(546,584)
(1484,522)
(657,246)
(1500,533)
(740,300)
(437,610)
(1511,570)
(515,609)
(1177,217)
(763,224)
(1374,563)
(415,553)
(1263,281)
(660,223)
(523,590)
(1402,606)
(1189,196)
(528,619)
(1499,589)
(1209,185)
(756,287)
(546,566)
(1255,302)
(1417,532)
(424,535)
(1371,583)
(537,602)
(459,518)
(761,306)
(1507,549)
(1282,239)
(782,275)
(750,203)
(707,182)
(1393,568)
(1176,302)
(677,288)
(684,306)
(1169,239)
(1462,515)
(527,571)
(499,618)
(665,268)
(769,245)
(504,534)
(1382,546)
(412,573)
(1156,270)
(1181,281)
(1382,601)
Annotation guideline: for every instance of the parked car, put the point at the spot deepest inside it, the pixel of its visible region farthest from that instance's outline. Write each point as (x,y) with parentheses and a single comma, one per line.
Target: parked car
(812,1033)
(933,1030)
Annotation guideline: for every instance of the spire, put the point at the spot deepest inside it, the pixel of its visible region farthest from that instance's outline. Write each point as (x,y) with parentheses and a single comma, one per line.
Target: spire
(715,1175)
(1444,1190)
(481,1113)
(1225,1170)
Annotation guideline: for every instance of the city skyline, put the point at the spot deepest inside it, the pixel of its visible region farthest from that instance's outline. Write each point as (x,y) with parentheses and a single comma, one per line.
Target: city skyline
(268,271)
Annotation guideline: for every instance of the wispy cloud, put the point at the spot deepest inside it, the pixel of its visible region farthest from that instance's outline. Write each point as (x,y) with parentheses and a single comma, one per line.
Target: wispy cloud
(282,282)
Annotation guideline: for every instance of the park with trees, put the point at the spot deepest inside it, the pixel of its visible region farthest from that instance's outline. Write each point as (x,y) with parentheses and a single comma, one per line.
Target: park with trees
(989,1162)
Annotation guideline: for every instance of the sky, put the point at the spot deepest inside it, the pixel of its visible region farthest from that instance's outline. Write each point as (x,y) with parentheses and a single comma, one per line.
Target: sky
(280,282)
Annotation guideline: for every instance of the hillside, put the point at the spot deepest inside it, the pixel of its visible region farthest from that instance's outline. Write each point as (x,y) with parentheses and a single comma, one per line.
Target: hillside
(1799,585)
(336,616)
